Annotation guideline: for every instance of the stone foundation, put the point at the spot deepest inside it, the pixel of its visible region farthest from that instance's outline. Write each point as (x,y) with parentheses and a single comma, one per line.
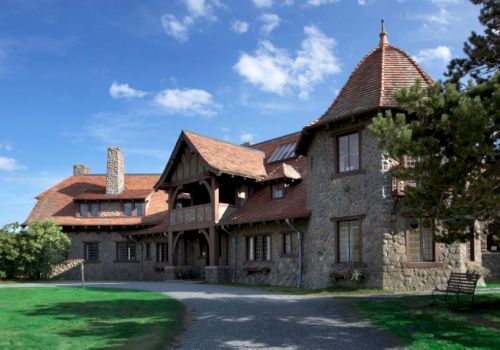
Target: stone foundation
(217,274)
(491,260)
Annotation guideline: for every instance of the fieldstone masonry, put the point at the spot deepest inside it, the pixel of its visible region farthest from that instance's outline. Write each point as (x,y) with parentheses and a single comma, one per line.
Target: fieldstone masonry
(115,176)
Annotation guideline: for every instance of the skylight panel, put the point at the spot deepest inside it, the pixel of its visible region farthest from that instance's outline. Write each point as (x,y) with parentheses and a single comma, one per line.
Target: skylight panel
(283,152)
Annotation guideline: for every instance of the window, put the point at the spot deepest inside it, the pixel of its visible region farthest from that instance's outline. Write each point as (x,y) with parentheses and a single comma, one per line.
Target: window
(125,251)
(421,240)
(349,241)
(348,152)
(148,251)
(471,254)
(259,248)
(91,250)
(287,244)
(161,252)
(139,208)
(283,152)
(127,209)
(133,209)
(278,191)
(84,210)
(94,209)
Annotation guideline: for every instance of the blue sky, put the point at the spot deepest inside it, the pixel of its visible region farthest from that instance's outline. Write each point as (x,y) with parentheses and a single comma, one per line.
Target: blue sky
(79,76)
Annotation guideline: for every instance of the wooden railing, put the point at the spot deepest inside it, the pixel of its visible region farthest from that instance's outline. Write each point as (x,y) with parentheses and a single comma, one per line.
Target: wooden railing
(196,216)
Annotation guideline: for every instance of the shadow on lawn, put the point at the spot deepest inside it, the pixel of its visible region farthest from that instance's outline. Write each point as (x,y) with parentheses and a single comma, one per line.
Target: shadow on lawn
(119,322)
(416,321)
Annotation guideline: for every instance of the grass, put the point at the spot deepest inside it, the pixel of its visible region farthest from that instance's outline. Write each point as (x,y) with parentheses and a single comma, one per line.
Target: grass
(421,326)
(492,284)
(303,291)
(75,318)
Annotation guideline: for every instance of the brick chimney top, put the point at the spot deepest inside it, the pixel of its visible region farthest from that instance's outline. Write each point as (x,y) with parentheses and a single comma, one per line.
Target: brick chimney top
(80,170)
(115,175)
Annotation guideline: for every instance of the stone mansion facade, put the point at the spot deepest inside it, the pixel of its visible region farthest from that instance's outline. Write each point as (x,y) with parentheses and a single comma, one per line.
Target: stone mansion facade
(310,209)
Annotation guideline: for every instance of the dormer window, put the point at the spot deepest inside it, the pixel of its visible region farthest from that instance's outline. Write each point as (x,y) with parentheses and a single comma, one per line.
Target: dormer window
(89,209)
(278,190)
(283,152)
(133,209)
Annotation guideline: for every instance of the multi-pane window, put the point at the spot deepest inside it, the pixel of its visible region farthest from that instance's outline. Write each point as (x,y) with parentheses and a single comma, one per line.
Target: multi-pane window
(348,152)
(89,209)
(161,252)
(133,209)
(125,251)
(278,190)
(94,209)
(349,241)
(287,244)
(283,152)
(259,247)
(127,209)
(84,209)
(203,247)
(421,240)
(91,250)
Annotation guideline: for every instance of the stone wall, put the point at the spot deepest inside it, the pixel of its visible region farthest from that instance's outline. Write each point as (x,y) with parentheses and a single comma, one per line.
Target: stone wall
(107,268)
(491,260)
(280,270)
(330,196)
(367,194)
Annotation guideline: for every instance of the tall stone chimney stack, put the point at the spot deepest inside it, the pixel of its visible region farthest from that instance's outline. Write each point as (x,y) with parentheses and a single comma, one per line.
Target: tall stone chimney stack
(80,170)
(115,176)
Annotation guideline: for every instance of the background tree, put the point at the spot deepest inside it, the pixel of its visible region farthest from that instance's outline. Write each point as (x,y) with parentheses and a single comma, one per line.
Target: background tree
(482,50)
(454,136)
(32,252)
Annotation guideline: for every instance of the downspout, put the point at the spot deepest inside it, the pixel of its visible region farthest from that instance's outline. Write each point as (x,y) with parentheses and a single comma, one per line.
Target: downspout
(141,262)
(300,236)
(235,246)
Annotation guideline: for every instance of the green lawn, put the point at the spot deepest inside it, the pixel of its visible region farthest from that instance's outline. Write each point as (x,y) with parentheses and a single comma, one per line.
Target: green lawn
(492,284)
(91,318)
(421,326)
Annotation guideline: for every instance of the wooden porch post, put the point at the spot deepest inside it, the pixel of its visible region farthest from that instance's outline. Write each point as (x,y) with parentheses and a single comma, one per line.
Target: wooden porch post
(170,256)
(213,243)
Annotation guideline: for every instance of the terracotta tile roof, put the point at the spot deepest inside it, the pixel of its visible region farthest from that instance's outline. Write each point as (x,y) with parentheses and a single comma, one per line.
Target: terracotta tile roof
(227,157)
(127,194)
(371,85)
(58,202)
(260,207)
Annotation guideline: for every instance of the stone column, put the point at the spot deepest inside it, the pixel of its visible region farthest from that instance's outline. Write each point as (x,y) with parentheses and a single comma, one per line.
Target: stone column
(115,176)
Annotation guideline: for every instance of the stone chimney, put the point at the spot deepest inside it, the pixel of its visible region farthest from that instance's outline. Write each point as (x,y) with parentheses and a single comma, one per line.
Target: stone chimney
(115,176)
(80,170)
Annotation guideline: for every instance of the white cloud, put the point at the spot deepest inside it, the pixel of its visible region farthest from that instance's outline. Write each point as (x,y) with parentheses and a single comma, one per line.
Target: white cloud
(288,2)
(270,21)
(247,137)
(125,91)
(187,101)
(445,2)
(274,70)
(239,26)
(440,53)
(177,29)
(262,3)
(442,17)
(320,2)
(8,164)
(198,10)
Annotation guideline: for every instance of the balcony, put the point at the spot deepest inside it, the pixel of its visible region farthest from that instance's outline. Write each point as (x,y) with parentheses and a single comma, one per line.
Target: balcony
(197,216)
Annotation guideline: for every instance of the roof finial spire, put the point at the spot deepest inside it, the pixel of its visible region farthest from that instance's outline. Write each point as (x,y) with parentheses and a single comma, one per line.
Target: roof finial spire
(383,35)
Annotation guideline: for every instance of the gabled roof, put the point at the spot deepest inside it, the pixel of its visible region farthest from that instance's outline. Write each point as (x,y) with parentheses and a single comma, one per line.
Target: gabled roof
(371,86)
(58,202)
(220,156)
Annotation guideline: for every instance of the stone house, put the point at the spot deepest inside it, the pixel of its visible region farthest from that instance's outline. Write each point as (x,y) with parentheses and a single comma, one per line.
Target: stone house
(311,209)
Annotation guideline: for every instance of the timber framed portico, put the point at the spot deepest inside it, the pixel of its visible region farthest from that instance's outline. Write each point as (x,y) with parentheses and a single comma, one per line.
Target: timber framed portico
(204,187)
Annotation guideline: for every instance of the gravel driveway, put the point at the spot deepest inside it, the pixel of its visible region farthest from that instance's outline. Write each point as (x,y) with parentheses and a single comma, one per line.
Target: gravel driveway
(224,317)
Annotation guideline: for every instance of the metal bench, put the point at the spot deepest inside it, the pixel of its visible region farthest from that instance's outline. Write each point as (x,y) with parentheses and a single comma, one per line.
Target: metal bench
(459,284)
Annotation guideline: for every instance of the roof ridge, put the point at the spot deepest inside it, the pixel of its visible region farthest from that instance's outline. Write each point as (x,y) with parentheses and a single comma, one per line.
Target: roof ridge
(382,76)
(276,138)
(221,141)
